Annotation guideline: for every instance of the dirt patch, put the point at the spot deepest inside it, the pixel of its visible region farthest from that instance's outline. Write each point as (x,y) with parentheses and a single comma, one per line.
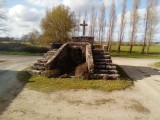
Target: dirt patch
(157,80)
(101,102)
(138,107)
(75,102)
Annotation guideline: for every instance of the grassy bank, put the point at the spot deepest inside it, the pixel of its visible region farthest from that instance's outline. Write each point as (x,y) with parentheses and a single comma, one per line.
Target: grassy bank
(44,84)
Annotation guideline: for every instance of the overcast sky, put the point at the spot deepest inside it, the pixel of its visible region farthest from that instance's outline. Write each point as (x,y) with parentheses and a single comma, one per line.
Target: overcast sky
(25,15)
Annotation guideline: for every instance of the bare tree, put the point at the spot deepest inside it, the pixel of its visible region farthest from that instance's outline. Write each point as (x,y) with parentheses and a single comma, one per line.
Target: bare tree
(85,18)
(102,23)
(134,22)
(123,24)
(93,22)
(146,22)
(78,23)
(111,25)
(152,22)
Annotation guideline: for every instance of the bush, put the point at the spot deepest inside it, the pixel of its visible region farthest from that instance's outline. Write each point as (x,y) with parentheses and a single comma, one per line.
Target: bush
(19,47)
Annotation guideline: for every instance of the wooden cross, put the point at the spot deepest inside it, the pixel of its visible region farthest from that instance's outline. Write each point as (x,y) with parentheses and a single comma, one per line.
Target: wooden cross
(84,27)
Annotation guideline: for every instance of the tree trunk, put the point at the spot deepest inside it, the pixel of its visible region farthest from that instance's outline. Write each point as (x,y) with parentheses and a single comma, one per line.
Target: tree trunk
(131,47)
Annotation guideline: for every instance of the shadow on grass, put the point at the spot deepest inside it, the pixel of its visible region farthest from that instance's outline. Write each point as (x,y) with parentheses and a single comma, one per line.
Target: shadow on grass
(139,72)
(10,88)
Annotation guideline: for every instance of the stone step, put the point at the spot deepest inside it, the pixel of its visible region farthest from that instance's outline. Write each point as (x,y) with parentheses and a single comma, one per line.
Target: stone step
(37,72)
(102,63)
(49,54)
(47,57)
(103,60)
(52,52)
(102,56)
(38,68)
(42,61)
(100,52)
(108,76)
(39,64)
(113,77)
(99,71)
(109,67)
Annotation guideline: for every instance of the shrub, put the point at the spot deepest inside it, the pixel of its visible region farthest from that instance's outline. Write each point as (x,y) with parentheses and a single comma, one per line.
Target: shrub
(19,47)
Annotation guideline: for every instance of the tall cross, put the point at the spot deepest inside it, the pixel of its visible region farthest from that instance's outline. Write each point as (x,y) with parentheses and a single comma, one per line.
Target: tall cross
(84,27)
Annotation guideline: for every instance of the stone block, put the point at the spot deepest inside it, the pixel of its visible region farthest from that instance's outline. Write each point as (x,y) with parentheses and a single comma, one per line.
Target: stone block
(83,39)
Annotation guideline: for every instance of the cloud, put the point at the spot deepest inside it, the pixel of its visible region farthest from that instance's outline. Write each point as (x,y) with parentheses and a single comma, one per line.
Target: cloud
(75,5)
(23,19)
(45,3)
(141,25)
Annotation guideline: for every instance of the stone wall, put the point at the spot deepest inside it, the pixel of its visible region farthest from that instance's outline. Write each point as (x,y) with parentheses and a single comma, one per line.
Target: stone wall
(70,55)
(60,55)
(83,39)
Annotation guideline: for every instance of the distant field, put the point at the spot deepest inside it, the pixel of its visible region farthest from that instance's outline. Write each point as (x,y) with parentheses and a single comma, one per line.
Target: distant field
(153,49)
(25,48)
(154,52)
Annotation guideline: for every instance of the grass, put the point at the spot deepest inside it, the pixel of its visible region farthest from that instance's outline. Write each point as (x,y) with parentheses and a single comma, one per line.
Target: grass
(154,52)
(48,85)
(157,64)
(20,53)
(134,55)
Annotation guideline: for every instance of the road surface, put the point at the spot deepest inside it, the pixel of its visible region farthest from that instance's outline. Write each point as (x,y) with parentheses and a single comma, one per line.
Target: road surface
(9,67)
(140,102)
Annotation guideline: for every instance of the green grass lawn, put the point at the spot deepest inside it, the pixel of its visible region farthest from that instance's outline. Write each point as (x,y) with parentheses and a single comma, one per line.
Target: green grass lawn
(20,53)
(43,84)
(153,53)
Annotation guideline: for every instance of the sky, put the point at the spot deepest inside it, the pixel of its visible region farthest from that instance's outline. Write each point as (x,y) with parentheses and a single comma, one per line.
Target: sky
(25,15)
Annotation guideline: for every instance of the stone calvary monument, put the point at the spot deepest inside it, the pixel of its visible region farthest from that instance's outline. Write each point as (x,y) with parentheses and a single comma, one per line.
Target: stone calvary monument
(81,51)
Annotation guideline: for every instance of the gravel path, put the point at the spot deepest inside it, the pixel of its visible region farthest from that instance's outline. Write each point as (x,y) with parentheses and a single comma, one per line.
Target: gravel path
(140,102)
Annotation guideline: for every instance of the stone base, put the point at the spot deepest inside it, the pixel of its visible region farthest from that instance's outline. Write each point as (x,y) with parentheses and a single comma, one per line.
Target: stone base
(83,39)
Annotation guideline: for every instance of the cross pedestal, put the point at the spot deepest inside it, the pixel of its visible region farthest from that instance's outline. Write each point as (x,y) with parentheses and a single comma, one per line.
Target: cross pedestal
(83,39)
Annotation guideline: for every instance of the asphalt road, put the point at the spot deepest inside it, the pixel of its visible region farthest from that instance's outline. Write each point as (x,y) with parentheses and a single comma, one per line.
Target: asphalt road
(10,65)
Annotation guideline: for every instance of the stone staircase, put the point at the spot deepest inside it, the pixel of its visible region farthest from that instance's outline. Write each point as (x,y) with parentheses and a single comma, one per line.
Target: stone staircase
(103,66)
(39,67)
